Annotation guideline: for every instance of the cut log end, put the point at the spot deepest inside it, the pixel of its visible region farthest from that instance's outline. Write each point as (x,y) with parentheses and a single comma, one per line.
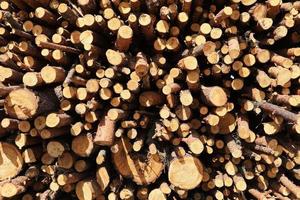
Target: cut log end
(134,166)
(9,190)
(83,145)
(55,149)
(11,161)
(215,96)
(186,172)
(87,190)
(21,104)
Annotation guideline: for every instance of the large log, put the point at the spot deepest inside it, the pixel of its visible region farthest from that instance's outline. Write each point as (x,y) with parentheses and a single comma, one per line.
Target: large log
(186,172)
(134,166)
(25,104)
(11,161)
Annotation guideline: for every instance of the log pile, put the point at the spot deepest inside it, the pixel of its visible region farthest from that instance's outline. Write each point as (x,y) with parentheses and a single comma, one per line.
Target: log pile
(150,99)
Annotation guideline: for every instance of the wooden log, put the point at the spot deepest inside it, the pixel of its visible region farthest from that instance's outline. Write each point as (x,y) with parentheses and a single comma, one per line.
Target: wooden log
(64,179)
(282,61)
(81,165)
(129,165)
(141,66)
(234,148)
(24,140)
(105,132)
(83,145)
(194,143)
(49,45)
(10,75)
(188,63)
(164,79)
(100,159)
(290,185)
(257,194)
(32,154)
(36,103)
(147,28)
(52,133)
(33,79)
(239,182)
(66,160)
(279,111)
(223,14)
(87,189)
(12,161)
(9,124)
(14,187)
(67,13)
(45,15)
(177,175)
(213,96)
(157,194)
(289,100)
(88,6)
(124,38)
(114,57)
(5,90)
(58,120)
(55,148)
(103,178)
(24,126)
(23,34)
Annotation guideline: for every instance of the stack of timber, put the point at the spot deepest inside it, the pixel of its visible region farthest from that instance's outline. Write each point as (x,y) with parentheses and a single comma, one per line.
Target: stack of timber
(149,99)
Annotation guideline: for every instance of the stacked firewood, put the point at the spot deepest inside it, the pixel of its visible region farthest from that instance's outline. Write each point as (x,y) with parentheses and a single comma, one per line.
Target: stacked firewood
(149,99)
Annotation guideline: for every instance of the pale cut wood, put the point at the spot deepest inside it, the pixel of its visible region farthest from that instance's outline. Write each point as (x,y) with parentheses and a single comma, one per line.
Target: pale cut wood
(124,38)
(12,161)
(290,185)
(33,79)
(64,179)
(83,145)
(180,177)
(105,132)
(103,178)
(53,74)
(214,96)
(157,194)
(127,166)
(67,13)
(55,148)
(87,189)
(24,140)
(35,103)
(58,120)
(14,187)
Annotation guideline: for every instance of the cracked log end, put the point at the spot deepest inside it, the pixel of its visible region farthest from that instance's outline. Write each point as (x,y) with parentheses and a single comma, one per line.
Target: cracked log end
(143,170)
(21,104)
(11,161)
